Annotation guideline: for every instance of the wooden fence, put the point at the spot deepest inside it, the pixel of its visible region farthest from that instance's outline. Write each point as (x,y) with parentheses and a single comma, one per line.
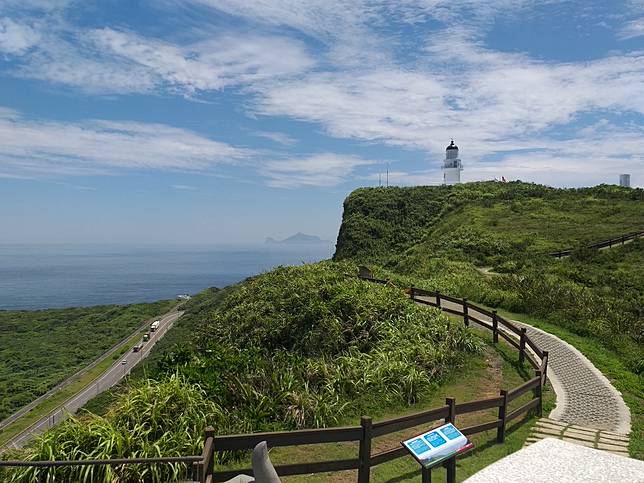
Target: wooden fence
(364,434)
(202,468)
(620,240)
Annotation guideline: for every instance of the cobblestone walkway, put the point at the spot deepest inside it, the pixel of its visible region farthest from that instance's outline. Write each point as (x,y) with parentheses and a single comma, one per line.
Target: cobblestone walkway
(592,438)
(585,397)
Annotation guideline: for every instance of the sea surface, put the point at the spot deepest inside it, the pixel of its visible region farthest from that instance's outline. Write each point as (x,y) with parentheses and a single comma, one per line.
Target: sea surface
(48,276)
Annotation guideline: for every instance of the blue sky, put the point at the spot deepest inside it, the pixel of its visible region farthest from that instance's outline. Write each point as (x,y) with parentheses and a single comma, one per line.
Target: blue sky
(225,121)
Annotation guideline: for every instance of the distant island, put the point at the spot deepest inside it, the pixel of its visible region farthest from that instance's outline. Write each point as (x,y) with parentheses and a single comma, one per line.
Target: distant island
(297,239)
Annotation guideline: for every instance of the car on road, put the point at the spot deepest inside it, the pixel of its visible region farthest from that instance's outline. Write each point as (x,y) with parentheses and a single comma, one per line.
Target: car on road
(123,362)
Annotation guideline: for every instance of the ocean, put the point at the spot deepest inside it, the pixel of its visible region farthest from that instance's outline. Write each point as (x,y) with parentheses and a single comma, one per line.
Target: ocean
(52,276)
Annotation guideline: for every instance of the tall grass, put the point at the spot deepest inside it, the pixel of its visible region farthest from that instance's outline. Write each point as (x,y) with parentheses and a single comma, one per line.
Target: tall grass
(153,419)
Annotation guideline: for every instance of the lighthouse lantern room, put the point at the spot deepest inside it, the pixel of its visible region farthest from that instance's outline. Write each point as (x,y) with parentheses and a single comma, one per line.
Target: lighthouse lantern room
(452,166)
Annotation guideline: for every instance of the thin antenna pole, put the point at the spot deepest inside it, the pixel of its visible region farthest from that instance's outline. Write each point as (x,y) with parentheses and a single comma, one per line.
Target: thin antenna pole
(387,175)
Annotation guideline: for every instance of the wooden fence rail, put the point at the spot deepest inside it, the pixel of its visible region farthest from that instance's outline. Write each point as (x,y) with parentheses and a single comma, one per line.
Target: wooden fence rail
(620,240)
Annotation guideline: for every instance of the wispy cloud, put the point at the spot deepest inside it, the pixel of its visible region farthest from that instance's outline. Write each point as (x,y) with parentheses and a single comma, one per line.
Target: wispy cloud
(326,169)
(333,18)
(632,29)
(278,137)
(107,61)
(16,38)
(183,187)
(12,176)
(97,147)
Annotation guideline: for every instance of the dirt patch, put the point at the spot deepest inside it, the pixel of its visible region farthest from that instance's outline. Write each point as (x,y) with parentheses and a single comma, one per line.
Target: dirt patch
(491,384)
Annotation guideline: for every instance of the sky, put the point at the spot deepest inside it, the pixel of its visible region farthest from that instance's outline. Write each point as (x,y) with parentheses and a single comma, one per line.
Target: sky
(226,121)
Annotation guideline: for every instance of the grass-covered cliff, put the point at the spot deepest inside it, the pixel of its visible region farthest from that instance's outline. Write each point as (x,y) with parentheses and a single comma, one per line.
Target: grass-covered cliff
(440,234)
(489,241)
(482,222)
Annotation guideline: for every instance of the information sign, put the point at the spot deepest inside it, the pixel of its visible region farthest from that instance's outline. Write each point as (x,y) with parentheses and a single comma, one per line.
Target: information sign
(436,445)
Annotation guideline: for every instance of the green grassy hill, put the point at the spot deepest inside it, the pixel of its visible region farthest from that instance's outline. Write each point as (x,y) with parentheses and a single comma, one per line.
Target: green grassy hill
(292,348)
(440,238)
(511,227)
(482,222)
(39,349)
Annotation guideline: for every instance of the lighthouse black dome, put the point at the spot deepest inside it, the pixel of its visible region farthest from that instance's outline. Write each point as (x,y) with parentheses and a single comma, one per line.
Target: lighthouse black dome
(452,145)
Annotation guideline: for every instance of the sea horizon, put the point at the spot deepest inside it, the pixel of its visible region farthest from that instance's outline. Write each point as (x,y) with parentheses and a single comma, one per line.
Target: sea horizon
(35,276)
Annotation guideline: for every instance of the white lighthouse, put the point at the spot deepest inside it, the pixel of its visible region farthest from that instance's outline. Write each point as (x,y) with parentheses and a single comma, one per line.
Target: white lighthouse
(452,166)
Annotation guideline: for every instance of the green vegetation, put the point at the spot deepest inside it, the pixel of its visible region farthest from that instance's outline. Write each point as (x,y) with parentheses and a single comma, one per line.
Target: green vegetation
(597,294)
(302,346)
(511,226)
(154,418)
(39,349)
(486,372)
(595,297)
(296,347)
(483,221)
(57,399)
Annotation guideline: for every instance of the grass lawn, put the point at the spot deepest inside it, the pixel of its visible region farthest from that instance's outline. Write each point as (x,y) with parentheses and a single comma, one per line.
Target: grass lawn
(483,377)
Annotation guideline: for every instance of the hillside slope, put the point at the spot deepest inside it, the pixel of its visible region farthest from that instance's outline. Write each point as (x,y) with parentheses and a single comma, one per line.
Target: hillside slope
(483,221)
(296,347)
(512,227)
(40,348)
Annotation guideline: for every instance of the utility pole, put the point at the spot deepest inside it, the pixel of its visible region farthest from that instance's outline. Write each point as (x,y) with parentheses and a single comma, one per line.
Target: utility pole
(387,175)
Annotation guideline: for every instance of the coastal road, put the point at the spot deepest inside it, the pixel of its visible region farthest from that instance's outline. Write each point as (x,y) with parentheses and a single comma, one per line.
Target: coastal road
(109,378)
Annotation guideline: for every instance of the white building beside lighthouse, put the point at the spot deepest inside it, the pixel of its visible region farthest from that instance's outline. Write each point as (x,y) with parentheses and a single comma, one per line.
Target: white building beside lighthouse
(452,166)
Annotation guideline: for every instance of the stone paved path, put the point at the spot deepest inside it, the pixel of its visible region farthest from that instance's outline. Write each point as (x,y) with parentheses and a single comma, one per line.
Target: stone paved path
(592,438)
(585,397)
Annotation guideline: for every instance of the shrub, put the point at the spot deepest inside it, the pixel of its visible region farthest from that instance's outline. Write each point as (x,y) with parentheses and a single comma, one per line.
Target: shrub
(154,418)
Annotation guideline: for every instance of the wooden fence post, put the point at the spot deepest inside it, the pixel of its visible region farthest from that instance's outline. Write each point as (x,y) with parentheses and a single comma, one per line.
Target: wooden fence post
(495,327)
(503,411)
(451,413)
(538,393)
(522,345)
(364,468)
(450,464)
(438,299)
(466,317)
(207,464)
(545,368)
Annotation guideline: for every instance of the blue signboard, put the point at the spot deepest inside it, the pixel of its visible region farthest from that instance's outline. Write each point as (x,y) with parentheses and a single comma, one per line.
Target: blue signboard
(434,446)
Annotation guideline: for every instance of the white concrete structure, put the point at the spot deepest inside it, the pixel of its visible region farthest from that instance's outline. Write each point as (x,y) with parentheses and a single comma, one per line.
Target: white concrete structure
(625,180)
(452,166)
(551,460)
